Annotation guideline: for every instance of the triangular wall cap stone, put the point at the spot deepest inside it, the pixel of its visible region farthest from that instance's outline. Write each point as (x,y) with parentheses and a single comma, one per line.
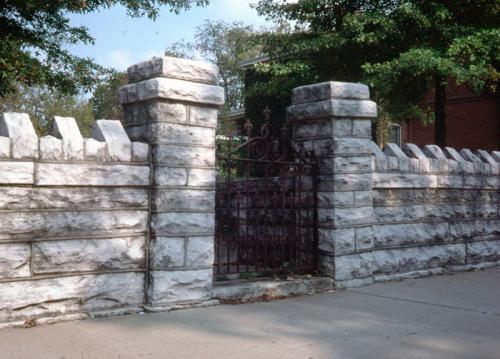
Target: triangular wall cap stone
(330,90)
(113,133)
(175,68)
(20,130)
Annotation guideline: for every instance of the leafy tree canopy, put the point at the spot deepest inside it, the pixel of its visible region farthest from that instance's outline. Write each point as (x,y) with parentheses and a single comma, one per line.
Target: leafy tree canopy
(35,35)
(400,48)
(225,45)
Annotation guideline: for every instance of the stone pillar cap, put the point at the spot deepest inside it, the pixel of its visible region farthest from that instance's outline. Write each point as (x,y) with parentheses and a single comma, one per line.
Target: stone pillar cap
(175,68)
(330,90)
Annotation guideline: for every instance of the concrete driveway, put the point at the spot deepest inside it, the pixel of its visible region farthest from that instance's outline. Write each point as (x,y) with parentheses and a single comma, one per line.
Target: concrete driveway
(456,316)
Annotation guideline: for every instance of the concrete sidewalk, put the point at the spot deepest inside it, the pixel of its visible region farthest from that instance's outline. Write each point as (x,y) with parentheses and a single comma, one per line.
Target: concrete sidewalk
(456,316)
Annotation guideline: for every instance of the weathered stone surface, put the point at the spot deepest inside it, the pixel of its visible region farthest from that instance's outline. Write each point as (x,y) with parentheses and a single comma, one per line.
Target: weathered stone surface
(363,198)
(313,128)
(338,241)
(172,89)
(400,234)
(140,151)
(362,128)
(16,172)
(88,255)
(352,164)
(92,174)
(473,228)
(413,151)
(351,216)
(352,181)
(183,199)
(424,257)
(45,297)
(200,252)
(175,223)
(206,116)
(179,155)
(14,260)
(353,266)
(72,140)
(113,133)
(406,180)
(51,148)
(4,147)
(167,287)
(19,198)
(170,176)
(167,252)
(20,130)
(173,67)
(468,155)
(434,151)
(70,223)
(152,111)
(364,238)
(95,150)
(432,195)
(453,154)
(183,134)
(332,108)
(330,90)
(483,251)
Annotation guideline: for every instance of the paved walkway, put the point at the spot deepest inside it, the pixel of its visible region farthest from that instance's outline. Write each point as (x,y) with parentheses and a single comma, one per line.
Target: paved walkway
(441,317)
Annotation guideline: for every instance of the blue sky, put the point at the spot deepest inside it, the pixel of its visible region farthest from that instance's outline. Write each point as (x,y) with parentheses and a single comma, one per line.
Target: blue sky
(121,41)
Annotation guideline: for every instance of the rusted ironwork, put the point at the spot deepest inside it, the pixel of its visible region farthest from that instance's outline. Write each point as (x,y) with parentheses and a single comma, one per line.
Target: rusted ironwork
(266,204)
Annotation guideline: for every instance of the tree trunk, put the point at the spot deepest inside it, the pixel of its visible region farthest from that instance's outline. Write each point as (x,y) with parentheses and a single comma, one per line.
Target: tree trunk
(440,112)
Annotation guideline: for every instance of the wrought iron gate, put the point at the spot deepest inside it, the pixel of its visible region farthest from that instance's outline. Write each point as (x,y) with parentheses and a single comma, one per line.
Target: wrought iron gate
(266,205)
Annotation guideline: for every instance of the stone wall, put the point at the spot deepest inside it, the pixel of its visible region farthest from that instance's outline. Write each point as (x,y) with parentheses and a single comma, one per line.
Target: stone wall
(394,213)
(73,220)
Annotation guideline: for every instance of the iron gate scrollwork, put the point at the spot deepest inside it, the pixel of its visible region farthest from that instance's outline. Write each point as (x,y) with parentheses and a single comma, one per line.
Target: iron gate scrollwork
(266,204)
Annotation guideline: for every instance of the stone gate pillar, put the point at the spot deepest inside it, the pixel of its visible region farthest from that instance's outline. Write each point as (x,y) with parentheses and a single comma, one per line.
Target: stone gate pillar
(334,120)
(173,105)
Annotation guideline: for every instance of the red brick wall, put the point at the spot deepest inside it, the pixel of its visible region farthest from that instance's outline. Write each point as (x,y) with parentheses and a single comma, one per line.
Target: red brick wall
(473,121)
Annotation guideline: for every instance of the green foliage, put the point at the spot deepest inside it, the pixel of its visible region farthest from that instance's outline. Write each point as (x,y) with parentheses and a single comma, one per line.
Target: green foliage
(42,104)
(402,49)
(224,45)
(104,98)
(35,35)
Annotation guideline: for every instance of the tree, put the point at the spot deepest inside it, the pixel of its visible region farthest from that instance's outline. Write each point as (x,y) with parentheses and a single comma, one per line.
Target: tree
(400,48)
(42,104)
(104,97)
(224,45)
(35,34)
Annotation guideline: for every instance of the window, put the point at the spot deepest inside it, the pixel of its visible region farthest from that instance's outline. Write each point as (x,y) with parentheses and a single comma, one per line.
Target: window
(395,134)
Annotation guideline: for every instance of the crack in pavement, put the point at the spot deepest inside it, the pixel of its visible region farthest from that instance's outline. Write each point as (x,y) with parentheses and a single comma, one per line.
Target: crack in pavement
(426,303)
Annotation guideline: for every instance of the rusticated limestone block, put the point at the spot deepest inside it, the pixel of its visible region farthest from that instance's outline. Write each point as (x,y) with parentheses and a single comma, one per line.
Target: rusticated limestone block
(198,177)
(174,68)
(40,198)
(48,297)
(329,90)
(393,235)
(140,151)
(88,255)
(200,252)
(343,240)
(51,148)
(4,147)
(113,133)
(205,116)
(334,107)
(182,134)
(183,199)
(175,223)
(67,129)
(167,252)
(182,155)
(95,150)
(170,176)
(167,287)
(353,266)
(404,180)
(16,172)
(483,251)
(417,258)
(172,89)
(20,130)
(92,174)
(14,260)
(67,223)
